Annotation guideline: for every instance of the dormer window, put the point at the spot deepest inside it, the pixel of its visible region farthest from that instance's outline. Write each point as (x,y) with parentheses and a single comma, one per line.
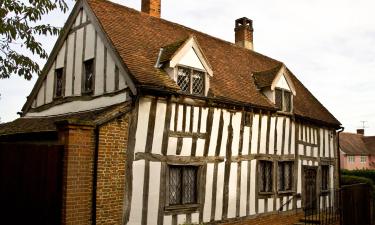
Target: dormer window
(186,64)
(190,80)
(283,99)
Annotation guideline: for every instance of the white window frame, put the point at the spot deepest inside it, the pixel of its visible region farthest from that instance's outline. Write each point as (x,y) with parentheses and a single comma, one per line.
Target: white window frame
(363,159)
(351,159)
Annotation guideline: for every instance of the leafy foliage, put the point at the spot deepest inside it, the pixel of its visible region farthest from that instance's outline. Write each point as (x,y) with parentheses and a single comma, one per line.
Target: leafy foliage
(370,174)
(347,180)
(19,26)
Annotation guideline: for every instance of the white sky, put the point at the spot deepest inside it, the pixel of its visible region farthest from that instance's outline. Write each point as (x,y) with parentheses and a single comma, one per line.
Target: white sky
(329,45)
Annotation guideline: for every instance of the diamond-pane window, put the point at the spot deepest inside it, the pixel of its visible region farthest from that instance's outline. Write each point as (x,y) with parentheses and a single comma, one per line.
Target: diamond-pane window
(285,176)
(183,79)
(182,185)
(198,82)
(191,81)
(265,173)
(283,100)
(279,98)
(287,101)
(59,82)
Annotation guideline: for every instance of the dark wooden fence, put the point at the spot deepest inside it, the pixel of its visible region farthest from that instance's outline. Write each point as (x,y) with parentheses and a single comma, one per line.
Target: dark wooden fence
(357,205)
(30,183)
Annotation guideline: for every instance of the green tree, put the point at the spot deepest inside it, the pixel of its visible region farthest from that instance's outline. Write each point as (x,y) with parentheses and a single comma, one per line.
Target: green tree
(20,24)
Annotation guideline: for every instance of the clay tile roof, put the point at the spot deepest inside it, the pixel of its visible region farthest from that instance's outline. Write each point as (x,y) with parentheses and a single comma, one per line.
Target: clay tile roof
(170,50)
(356,144)
(47,124)
(138,37)
(265,78)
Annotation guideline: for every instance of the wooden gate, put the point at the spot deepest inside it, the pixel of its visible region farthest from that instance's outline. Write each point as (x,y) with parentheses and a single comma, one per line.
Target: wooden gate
(357,204)
(30,183)
(310,191)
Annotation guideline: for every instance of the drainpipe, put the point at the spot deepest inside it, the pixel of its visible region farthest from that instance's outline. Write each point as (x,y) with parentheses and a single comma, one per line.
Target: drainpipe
(341,129)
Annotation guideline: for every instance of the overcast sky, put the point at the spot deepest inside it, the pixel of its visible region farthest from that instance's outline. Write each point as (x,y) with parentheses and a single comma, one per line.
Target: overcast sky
(329,46)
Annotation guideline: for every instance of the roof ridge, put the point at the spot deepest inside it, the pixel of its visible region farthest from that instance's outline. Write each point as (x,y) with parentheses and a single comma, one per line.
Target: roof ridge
(188,28)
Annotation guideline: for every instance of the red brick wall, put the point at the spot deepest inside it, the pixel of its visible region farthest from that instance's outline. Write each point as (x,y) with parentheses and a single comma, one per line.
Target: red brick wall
(273,219)
(113,138)
(78,173)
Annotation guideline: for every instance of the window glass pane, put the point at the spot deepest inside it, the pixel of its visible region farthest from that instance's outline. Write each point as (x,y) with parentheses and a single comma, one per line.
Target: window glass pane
(285,176)
(174,185)
(287,101)
(198,83)
(325,175)
(265,175)
(59,82)
(278,99)
(183,79)
(89,75)
(189,185)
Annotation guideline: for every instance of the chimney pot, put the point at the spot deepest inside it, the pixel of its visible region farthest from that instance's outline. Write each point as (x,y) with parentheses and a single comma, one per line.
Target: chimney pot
(152,7)
(361,131)
(244,33)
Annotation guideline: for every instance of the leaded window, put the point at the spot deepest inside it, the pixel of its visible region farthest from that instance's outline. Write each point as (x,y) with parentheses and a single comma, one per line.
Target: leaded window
(279,98)
(285,176)
(182,185)
(325,177)
(287,101)
(183,79)
(88,85)
(265,173)
(59,82)
(198,83)
(191,81)
(283,100)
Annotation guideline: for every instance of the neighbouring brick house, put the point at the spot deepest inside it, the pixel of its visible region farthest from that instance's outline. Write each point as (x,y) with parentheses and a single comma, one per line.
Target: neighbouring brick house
(357,151)
(163,124)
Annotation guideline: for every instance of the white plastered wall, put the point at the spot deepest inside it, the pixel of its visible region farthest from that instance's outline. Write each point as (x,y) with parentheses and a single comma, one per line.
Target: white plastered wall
(80,45)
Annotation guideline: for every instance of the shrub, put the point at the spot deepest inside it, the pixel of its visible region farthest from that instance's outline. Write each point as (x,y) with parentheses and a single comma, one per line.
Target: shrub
(370,174)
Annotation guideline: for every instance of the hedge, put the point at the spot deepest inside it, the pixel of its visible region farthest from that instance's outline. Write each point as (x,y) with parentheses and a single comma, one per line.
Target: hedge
(347,180)
(370,174)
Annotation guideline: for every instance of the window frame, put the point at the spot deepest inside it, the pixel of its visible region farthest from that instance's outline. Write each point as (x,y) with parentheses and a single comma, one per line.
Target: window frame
(170,209)
(84,75)
(284,191)
(324,186)
(351,159)
(261,176)
(192,69)
(62,69)
(283,91)
(363,159)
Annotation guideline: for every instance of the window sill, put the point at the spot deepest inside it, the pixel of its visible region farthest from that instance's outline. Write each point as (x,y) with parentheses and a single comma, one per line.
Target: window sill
(87,92)
(188,208)
(285,113)
(285,192)
(265,193)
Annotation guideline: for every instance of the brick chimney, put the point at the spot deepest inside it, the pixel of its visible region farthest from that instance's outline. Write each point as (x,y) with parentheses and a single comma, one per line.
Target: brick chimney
(361,131)
(152,7)
(244,33)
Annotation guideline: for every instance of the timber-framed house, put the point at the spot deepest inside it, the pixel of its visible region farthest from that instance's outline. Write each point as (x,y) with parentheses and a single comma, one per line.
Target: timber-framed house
(163,124)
